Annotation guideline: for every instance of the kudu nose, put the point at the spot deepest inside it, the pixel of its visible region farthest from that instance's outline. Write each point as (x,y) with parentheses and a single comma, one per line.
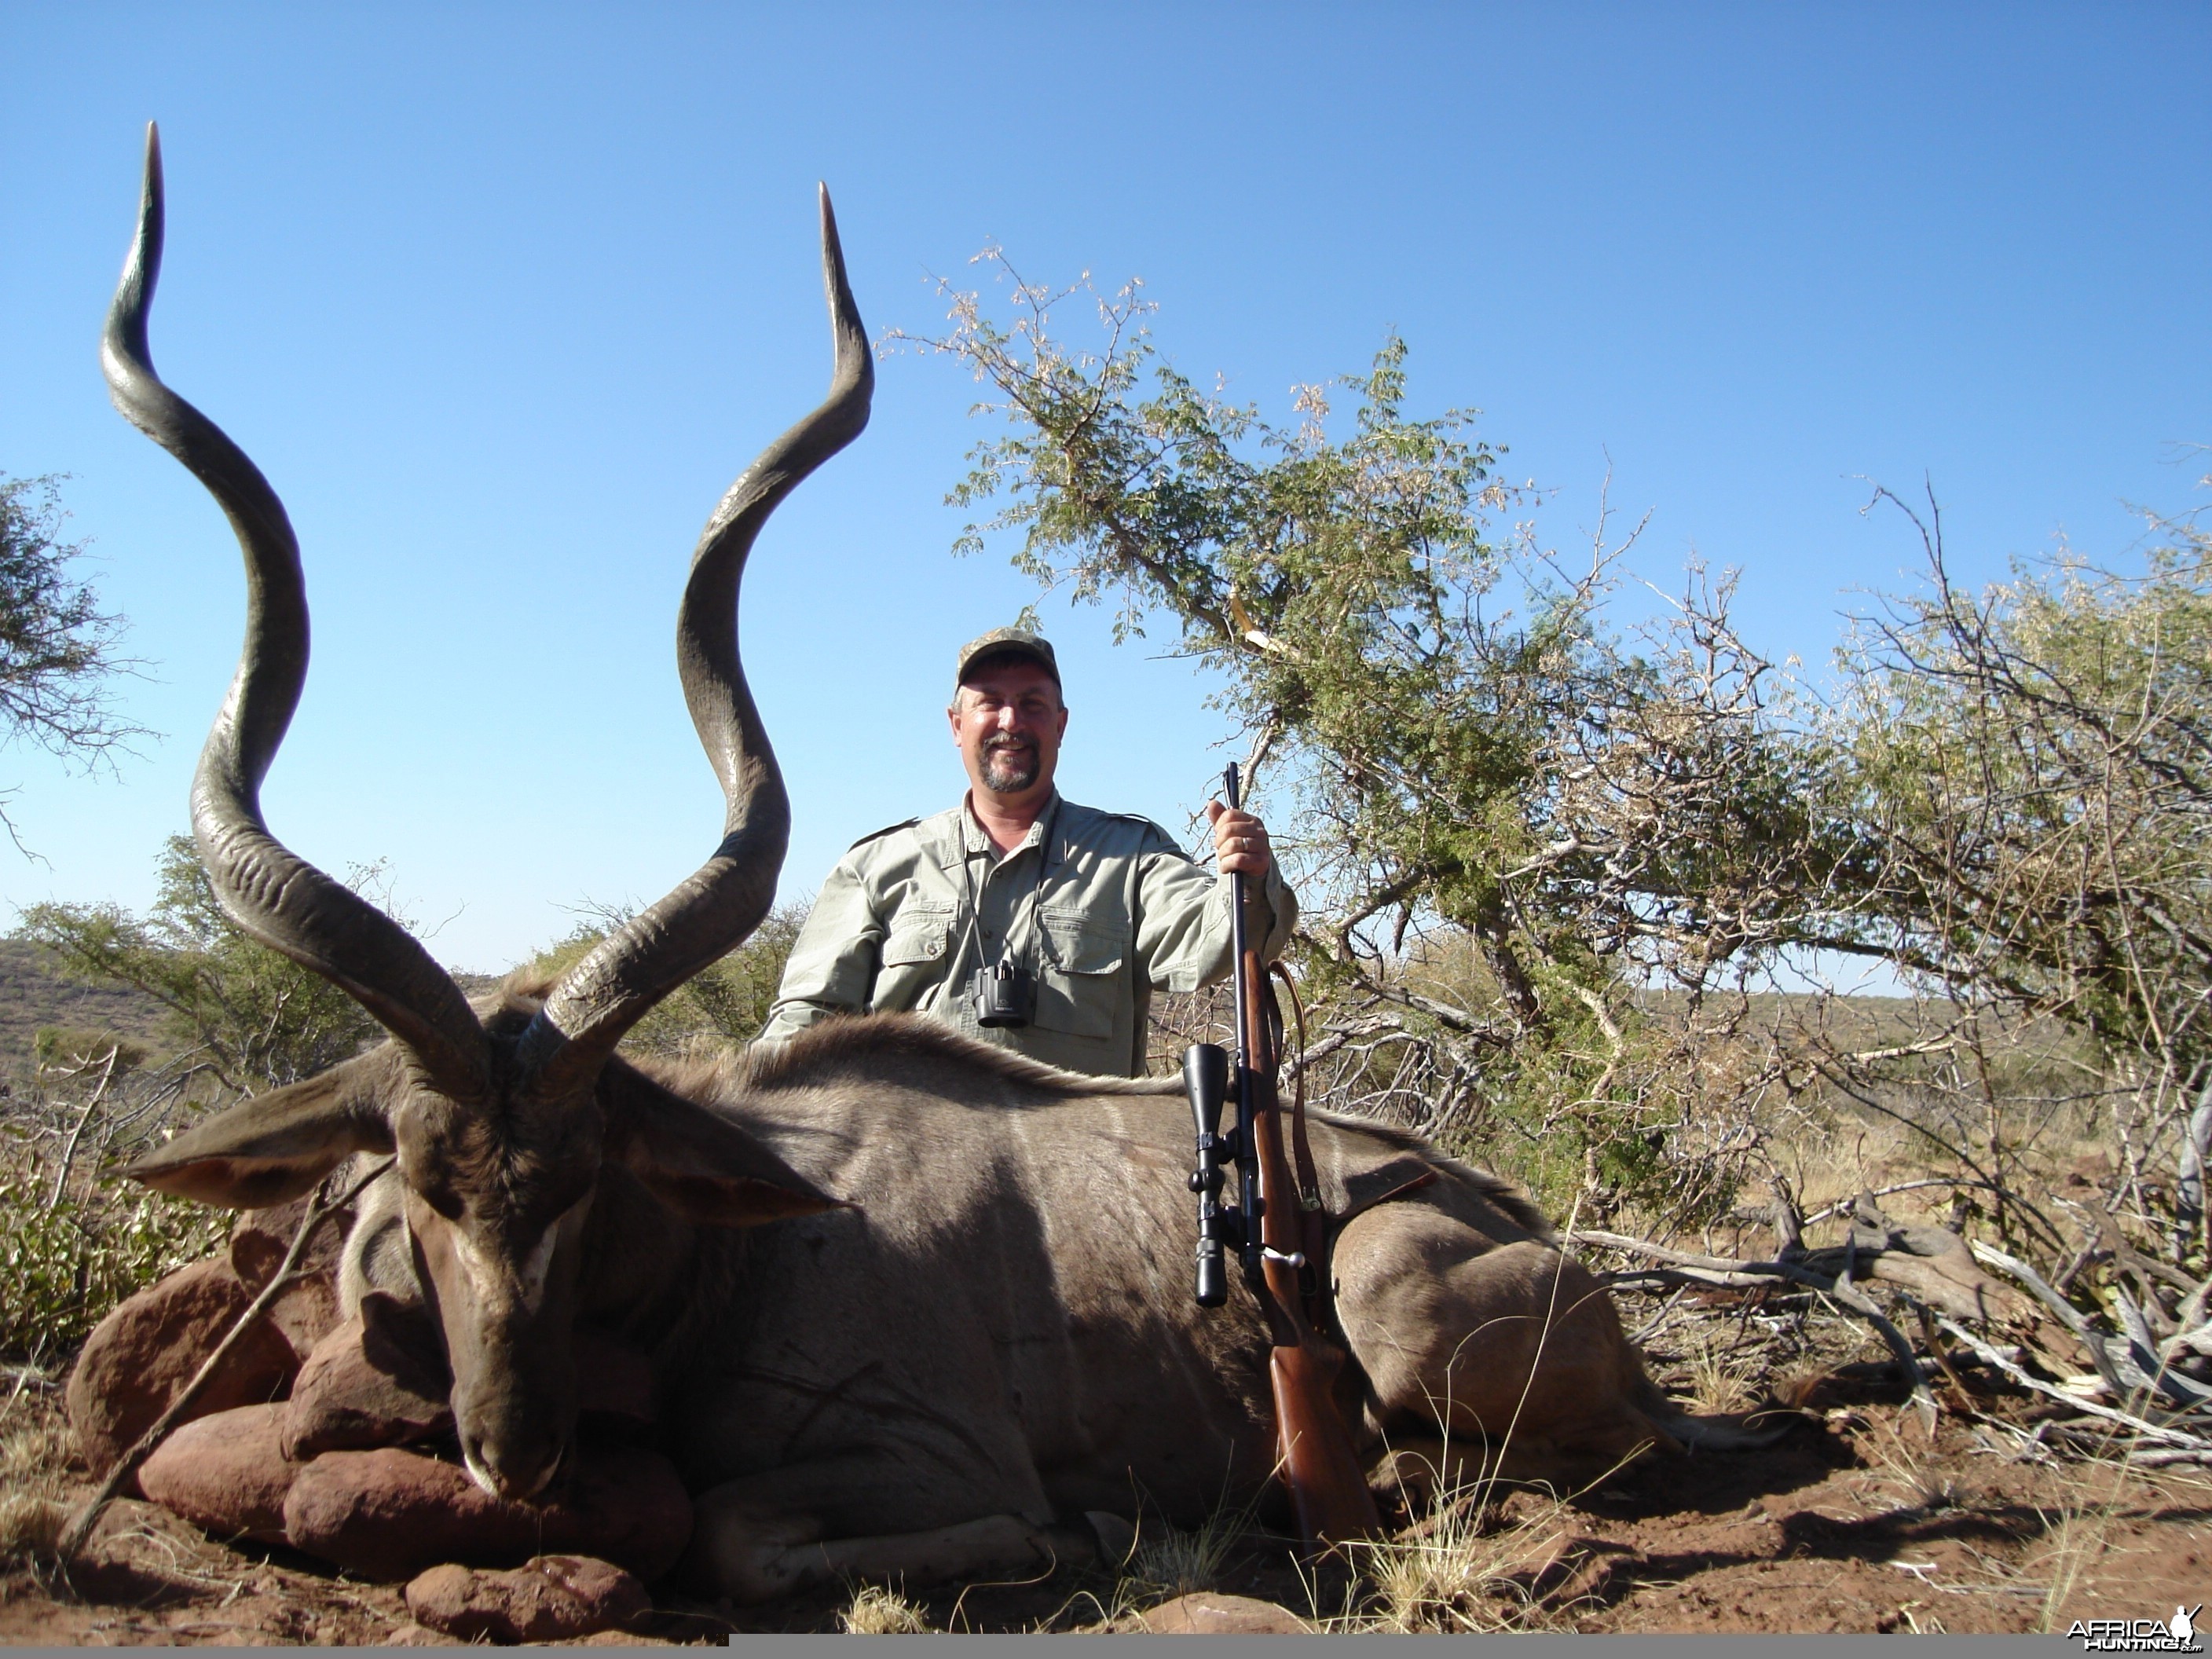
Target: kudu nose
(514,1467)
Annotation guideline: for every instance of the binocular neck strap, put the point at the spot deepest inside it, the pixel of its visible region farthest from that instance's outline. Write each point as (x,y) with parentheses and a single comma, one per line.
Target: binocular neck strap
(1036,892)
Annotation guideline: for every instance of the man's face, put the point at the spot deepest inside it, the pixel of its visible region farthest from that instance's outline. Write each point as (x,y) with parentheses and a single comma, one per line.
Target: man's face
(1008,721)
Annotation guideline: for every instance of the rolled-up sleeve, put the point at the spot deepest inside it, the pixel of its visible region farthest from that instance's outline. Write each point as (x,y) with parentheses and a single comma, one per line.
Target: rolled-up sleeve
(1183,936)
(832,968)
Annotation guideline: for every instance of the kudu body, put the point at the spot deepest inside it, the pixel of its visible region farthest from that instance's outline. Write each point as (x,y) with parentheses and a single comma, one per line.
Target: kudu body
(915,1304)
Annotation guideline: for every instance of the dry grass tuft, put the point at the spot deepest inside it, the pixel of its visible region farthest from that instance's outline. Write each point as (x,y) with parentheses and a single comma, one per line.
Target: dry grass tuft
(1909,1475)
(37,1449)
(30,1526)
(1719,1383)
(1172,1564)
(2075,1541)
(879,1610)
(37,1459)
(1465,1567)
(1161,1567)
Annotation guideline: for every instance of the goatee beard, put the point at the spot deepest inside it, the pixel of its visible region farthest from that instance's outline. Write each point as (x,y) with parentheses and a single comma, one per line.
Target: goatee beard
(1010,768)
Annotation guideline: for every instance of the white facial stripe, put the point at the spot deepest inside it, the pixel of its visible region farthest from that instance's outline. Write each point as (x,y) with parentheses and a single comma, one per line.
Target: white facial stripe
(485,1279)
(474,1266)
(534,1267)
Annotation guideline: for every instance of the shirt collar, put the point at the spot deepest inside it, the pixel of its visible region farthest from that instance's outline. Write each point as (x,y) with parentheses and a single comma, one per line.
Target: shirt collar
(973,839)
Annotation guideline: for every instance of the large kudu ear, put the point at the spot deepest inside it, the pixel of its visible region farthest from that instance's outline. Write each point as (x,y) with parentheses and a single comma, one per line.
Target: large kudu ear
(701,1166)
(277,1146)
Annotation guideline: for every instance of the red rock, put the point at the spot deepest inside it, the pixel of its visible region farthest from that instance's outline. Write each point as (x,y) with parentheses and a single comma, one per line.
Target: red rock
(258,1239)
(388,1513)
(553,1598)
(226,1473)
(412,1635)
(305,1311)
(141,1355)
(1209,1613)
(342,1400)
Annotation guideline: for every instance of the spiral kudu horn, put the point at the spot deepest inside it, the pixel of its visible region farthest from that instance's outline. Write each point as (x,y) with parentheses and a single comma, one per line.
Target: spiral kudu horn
(277,897)
(713,910)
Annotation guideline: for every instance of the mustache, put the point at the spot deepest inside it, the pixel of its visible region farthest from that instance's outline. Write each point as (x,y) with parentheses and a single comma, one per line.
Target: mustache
(993,745)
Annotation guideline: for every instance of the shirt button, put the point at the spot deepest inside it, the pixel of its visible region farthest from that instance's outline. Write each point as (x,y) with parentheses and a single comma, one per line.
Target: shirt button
(936,947)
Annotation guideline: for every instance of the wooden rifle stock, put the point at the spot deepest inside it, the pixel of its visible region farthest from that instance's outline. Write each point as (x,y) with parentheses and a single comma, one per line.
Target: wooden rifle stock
(1312,1448)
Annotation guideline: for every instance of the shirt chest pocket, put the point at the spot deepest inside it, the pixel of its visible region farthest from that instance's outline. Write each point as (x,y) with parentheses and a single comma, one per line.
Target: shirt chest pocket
(1080,984)
(914,957)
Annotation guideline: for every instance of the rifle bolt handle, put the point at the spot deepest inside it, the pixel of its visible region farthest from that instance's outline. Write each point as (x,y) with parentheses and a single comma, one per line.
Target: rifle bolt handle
(1295,1259)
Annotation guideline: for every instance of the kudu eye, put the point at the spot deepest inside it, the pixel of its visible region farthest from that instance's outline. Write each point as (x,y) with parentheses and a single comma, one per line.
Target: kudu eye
(442,1198)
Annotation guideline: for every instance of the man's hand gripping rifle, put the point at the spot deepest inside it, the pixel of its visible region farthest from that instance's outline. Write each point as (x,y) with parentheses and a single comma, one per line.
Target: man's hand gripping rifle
(1265,1228)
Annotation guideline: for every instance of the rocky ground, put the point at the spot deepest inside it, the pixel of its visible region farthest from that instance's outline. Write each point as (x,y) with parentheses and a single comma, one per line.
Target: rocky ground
(1855,1522)
(1857,1517)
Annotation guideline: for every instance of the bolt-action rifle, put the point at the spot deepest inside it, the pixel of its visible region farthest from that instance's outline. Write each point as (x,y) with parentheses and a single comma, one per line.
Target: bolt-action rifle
(1266,1228)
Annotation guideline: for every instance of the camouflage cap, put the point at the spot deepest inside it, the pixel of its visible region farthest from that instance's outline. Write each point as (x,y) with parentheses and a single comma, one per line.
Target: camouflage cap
(1008,641)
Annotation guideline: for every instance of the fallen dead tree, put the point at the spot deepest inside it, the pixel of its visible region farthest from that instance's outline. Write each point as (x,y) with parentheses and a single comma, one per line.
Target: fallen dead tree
(2143,1399)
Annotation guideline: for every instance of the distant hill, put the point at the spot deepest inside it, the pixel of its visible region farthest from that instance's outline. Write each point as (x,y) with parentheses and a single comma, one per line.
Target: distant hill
(34,994)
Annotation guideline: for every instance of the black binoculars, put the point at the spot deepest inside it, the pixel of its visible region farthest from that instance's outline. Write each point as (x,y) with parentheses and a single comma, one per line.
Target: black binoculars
(1004,996)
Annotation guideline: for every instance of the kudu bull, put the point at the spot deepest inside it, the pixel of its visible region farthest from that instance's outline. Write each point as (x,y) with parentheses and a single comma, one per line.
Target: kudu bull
(915,1306)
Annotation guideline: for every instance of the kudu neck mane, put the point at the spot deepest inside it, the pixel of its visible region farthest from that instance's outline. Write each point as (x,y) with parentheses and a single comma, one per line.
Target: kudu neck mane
(908,1049)
(902,1048)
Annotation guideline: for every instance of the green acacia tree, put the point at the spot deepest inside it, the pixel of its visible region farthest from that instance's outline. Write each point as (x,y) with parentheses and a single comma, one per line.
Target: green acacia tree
(237,1019)
(1509,816)
(2033,762)
(59,652)
(249,1019)
(725,1003)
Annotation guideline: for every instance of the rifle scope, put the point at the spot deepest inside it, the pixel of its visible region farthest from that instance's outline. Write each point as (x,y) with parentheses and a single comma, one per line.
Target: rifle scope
(1205,1080)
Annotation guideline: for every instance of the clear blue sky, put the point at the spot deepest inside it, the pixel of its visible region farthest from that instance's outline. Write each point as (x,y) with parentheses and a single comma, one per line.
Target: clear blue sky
(502,298)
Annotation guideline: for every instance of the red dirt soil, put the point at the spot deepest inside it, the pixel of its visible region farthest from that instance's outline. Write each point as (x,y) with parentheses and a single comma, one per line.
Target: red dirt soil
(1855,1522)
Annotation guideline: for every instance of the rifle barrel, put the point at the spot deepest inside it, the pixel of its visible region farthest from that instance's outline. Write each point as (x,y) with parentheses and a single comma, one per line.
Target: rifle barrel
(1250,1201)
(1320,1465)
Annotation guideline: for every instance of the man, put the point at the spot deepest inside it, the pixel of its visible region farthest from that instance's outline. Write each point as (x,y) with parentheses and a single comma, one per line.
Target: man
(1078,915)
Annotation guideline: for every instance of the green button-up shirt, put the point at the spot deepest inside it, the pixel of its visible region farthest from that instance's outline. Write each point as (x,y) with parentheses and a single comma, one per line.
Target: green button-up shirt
(1103,908)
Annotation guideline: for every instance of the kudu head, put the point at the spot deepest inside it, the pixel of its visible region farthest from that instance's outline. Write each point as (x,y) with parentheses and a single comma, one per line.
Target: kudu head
(501,1126)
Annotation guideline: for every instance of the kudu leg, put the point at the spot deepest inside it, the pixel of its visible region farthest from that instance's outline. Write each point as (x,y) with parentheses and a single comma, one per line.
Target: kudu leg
(1486,1358)
(753,1540)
